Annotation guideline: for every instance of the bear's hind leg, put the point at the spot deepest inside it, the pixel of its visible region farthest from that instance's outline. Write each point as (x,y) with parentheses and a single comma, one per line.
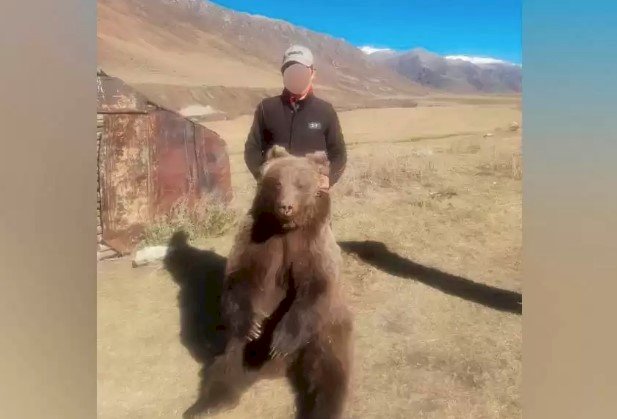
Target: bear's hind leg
(222,383)
(320,382)
(215,395)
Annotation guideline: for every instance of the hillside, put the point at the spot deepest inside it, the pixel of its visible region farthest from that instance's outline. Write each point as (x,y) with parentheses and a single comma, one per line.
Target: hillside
(195,56)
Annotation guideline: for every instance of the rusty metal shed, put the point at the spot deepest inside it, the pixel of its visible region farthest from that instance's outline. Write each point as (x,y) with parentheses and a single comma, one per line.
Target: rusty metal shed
(149,158)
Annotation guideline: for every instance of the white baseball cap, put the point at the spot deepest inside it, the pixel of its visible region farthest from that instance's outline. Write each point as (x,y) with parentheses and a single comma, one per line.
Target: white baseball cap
(298,54)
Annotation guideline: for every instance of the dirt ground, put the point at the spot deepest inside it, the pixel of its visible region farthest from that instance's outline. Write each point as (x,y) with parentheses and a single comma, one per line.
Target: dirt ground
(429,218)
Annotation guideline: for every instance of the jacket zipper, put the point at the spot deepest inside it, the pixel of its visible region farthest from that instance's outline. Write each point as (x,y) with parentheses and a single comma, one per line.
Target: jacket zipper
(294,110)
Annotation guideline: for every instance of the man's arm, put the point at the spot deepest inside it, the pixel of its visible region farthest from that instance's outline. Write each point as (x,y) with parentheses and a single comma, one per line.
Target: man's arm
(335,147)
(253,148)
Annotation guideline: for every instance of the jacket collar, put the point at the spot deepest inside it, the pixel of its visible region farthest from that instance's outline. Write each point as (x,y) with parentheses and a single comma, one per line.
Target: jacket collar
(289,98)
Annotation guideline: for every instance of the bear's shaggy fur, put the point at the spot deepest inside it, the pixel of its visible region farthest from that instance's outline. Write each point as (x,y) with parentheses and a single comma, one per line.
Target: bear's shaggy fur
(281,300)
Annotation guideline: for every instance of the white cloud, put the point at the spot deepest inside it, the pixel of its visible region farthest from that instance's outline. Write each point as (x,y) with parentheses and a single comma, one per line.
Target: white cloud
(476,60)
(371,50)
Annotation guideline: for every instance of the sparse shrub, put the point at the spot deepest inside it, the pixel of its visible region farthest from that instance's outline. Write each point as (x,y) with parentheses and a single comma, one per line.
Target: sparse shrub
(503,166)
(461,147)
(384,171)
(516,167)
(444,193)
(206,218)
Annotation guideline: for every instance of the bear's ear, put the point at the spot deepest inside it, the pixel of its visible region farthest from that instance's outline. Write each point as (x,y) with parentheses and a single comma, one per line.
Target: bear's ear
(264,168)
(320,159)
(276,152)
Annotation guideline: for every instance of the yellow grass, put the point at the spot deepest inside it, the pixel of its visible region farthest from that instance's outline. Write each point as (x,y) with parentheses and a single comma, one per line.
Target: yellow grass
(450,202)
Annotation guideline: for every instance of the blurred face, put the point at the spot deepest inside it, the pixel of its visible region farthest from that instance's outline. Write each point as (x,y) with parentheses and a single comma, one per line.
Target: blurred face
(297,78)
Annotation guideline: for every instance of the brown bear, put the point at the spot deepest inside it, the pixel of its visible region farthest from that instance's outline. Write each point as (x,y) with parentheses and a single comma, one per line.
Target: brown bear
(281,300)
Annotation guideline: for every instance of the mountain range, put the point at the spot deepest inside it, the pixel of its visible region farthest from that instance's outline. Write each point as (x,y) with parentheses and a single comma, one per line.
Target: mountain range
(459,74)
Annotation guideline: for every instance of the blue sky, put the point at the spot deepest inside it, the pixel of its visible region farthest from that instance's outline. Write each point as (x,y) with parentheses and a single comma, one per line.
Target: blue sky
(486,28)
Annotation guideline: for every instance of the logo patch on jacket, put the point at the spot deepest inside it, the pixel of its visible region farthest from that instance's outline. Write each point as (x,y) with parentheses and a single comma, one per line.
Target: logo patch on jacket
(314,125)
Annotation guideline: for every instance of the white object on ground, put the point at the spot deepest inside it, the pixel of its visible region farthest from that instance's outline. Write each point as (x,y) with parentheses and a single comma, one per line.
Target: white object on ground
(198,110)
(148,255)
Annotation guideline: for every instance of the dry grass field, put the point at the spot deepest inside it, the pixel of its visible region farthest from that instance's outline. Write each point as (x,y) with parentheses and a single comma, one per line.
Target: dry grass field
(428,215)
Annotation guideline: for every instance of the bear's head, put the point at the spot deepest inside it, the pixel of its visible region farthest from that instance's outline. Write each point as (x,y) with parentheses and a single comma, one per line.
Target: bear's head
(289,189)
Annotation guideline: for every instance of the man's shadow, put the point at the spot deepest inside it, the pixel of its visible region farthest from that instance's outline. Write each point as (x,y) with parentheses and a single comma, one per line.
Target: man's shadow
(378,255)
(199,274)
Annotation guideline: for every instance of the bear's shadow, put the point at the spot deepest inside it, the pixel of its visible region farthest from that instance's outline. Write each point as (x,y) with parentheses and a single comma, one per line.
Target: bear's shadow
(200,276)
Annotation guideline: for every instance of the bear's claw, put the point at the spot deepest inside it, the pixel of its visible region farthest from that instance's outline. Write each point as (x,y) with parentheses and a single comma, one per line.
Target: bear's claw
(255,331)
(275,353)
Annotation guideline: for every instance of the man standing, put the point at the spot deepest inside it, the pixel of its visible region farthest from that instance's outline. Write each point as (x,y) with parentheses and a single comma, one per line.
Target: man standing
(297,120)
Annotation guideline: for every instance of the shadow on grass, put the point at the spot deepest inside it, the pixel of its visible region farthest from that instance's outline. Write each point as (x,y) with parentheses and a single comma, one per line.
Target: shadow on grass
(229,366)
(199,274)
(378,255)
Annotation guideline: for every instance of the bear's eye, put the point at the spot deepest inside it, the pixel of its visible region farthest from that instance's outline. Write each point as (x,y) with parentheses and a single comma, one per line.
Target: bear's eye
(273,182)
(302,185)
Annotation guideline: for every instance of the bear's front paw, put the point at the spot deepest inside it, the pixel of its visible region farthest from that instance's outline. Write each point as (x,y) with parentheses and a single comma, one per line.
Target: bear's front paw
(283,344)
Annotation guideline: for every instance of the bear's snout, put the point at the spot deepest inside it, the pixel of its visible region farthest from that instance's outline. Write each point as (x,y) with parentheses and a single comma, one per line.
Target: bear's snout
(286,209)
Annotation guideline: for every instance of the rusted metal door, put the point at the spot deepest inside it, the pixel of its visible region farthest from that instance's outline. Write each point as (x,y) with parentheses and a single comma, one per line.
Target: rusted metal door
(213,171)
(124,179)
(172,161)
(188,162)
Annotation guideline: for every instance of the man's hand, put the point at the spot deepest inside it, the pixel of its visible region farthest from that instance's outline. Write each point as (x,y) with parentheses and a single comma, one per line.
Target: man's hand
(324,182)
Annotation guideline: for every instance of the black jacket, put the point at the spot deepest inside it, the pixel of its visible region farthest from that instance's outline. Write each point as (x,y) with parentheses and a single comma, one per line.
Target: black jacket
(302,127)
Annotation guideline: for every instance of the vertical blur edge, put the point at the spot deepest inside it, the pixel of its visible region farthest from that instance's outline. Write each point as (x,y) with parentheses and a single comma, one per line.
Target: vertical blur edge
(48,209)
(569,209)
